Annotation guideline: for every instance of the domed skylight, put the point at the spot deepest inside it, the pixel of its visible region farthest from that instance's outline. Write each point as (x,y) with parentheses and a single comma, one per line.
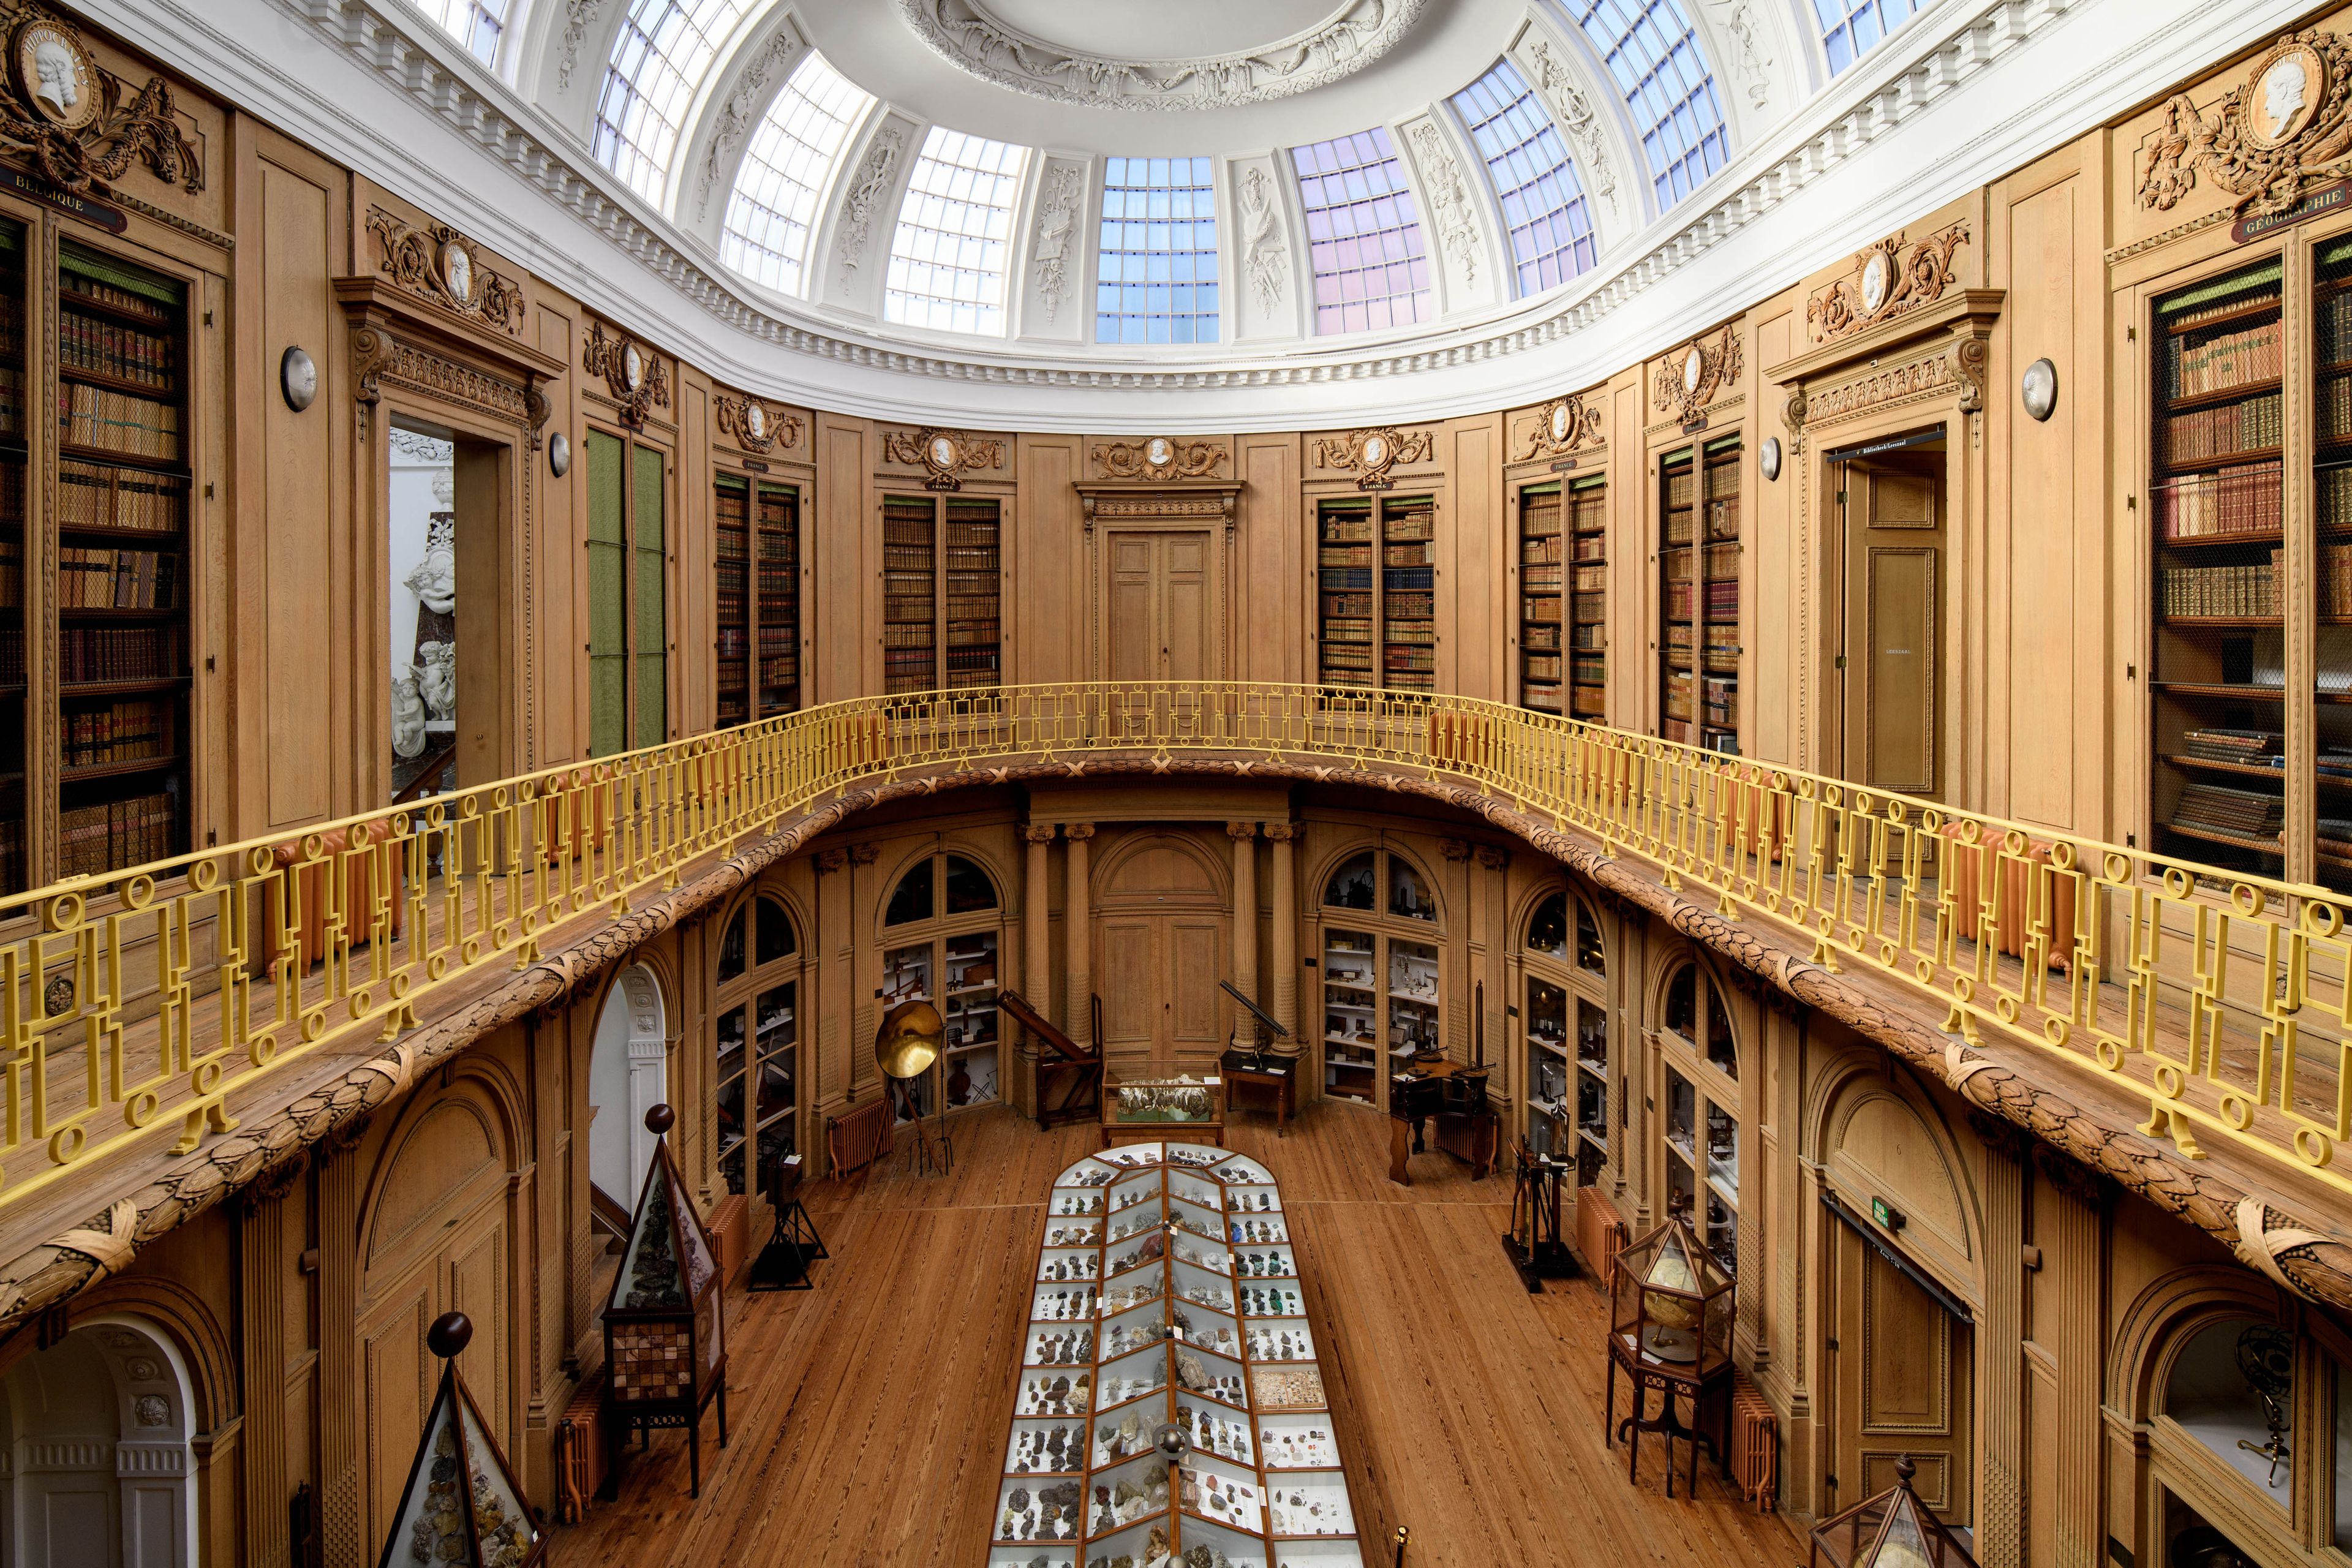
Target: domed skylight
(660,58)
(790,159)
(1535,183)
(1363,235)
(477,24)
(955,227)
(1651,50)
(1851,27)
(1156,274)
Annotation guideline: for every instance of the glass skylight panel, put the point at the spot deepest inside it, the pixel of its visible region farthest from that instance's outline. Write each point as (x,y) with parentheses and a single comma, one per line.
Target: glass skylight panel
(772,211)
(947,258)
(475,24)
(659,57)
(1535,183)
(1363,235)
(1656,61)
(1849,27)
(1156,273)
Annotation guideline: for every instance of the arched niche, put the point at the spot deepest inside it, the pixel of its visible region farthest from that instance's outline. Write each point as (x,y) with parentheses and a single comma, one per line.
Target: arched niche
(1145,868)
(628,1076)
(97,1434)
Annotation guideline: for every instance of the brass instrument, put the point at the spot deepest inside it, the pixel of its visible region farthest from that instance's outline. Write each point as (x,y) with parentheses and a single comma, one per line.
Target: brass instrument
(909,1038)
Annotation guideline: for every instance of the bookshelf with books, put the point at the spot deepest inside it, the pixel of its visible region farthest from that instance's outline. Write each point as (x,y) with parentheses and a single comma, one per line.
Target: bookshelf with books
(1543,580)
(2328,606)
(120,594)
(15,687)
(943,592)
(731,521)
(1699,559)
(1376,592)
(758,597)
(2217,663)
(1588,604)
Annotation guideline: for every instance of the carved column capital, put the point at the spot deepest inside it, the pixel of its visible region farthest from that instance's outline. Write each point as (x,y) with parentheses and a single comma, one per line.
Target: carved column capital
(1240,830)
(864,854)
(1493,857)
(830,861)
(2078,1181)
(1454,848)
(274,1183)
(1078,832)
(1037,833)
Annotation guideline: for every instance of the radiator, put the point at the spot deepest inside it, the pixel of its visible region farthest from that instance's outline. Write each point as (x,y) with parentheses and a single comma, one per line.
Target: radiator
(1600,1233)
(855,1139)
(1755,1444)
(579,1450)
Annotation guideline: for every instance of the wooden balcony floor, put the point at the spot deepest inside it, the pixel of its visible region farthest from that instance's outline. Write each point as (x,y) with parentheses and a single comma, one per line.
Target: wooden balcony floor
(869,1414)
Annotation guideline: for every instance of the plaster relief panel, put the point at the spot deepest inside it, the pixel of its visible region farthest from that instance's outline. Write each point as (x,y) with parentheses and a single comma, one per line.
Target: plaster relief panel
(1458,235)
(1265,297)
(856,250)
(751,80)
(1606,161)
(1055,304)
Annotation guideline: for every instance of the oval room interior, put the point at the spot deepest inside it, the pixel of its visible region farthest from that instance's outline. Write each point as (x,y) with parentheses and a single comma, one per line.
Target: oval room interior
(1348,784)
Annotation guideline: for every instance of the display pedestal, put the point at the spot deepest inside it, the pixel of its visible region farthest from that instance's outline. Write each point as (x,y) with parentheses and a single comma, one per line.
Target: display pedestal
(1276,1076)
(1709,1397)
(1533,1243)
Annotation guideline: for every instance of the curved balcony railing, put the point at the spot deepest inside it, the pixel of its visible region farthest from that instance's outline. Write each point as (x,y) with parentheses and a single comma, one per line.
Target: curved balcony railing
(135,1004)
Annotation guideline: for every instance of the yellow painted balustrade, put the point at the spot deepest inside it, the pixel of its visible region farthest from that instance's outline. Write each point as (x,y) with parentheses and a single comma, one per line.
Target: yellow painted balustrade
(135,1004)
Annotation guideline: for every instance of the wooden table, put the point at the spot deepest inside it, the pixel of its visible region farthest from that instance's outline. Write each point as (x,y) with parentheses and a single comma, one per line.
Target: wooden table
(1456,1096)
(1247,1069)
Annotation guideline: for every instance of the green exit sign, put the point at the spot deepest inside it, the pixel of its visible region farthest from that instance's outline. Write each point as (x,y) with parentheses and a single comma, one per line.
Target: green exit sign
(1887,1216)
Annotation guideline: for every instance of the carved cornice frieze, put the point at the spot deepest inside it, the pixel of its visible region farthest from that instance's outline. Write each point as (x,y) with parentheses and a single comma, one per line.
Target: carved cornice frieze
(756,426)
(945,455)
(1954,367)
(1159,458)
(1564,425)
(1370,453)
(67,113)
(382,357)
(1890,278)
(2283,132)
(1133,500)
(632,372)
(969,36)
(437,264)
(1689,379)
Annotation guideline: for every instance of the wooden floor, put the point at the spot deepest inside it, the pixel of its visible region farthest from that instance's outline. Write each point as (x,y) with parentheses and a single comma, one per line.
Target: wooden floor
(868,1414)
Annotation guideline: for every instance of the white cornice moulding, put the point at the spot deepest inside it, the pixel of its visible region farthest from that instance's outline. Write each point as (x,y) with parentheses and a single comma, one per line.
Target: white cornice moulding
(1920,121)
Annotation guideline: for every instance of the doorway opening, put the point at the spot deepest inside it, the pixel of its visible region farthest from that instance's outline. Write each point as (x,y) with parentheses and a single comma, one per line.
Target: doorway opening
(1903,1376)
(1889,500)
(443,527)
(628,1075)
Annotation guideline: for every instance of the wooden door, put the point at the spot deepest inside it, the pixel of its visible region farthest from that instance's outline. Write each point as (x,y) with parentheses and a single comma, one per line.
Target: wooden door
(1159,976)
(1903,1384)
(1123,975)
(1894,528)
(1192,945)
(1160,606)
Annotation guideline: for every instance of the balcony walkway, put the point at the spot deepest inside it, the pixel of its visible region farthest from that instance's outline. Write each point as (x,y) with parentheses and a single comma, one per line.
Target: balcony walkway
(869,1414)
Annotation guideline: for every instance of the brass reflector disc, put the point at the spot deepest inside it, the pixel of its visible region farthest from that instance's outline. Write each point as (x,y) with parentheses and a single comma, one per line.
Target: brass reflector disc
(909,1038)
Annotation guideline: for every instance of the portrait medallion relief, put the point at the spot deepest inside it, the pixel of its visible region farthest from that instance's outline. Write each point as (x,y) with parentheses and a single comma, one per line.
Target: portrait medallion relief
(943,453)
(1376,450)
(633,367)
(457,271)
(55,75)
(755,421)
(1874,283)
(297,379)
(2288,94)
(559,454)
(1768,459)
(1559,423)
(1158,451)
(1693,370)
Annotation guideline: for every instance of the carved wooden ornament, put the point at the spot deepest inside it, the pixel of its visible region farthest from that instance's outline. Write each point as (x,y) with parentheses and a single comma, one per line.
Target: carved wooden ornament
(755,426)
(1563,425)
(631,370)
(70,117)
(437,263)
(1159,458)
(1371,454)
(2285,132)
(1692,375)
(946,455)
(1892,278)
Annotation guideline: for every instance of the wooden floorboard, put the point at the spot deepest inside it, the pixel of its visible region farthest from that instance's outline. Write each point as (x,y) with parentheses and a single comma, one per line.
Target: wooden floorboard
(868,1414)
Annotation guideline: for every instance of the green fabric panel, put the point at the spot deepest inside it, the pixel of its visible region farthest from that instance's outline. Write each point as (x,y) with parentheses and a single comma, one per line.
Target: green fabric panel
(138,280)
(608,698)
(649,612)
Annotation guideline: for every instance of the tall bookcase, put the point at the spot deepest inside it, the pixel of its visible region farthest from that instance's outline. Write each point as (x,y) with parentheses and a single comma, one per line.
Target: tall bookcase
(1699,578)
(942,592)
(121,594)
(759,599)
(1376,575)
(1543,552)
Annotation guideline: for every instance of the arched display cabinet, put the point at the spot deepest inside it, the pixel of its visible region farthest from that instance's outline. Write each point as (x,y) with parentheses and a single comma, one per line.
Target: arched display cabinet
(1699,1105)
(942,937)
(756,1043)
(1568,1089)
(1380,929)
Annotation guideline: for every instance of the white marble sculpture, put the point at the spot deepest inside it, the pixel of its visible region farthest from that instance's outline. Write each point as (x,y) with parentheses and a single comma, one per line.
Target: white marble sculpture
(407,717)
(436,680)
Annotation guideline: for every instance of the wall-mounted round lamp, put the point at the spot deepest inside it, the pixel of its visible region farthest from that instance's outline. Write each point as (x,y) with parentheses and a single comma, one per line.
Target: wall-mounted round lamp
(297,379)
(2039,388)
(559,454)
(1768,459)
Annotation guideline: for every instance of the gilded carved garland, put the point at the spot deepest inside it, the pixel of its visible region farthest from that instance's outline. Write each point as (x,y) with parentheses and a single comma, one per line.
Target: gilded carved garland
(1890,278)
(632,370)
(2285,132)
(438,264)
(945,455)
(1692,375)
(755,426)
(1563,425)
(67,113)
(1159,458)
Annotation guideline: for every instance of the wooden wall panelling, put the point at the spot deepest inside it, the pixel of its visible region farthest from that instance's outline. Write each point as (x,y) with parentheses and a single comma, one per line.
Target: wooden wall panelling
(1274,550)
(846,553)
(693,542)
(262,1358)
(1470,574)
(1044,609)
(1781,543)
(300,747)
(558,569)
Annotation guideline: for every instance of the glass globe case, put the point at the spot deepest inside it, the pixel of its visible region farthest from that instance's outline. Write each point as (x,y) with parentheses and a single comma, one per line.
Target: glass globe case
(1671,1303)
(1891,1530)
(1170,1407)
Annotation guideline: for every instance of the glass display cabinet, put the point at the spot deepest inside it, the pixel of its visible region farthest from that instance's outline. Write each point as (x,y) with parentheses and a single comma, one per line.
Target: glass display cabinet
(664,1323)
(1670,1316)
(1169,1403)
(1146,1108)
